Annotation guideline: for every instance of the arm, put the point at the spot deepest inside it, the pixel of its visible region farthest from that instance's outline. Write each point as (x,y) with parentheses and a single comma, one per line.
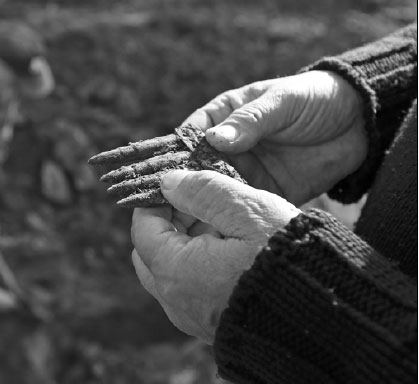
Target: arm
(325,129)
(319,306)
(385,74)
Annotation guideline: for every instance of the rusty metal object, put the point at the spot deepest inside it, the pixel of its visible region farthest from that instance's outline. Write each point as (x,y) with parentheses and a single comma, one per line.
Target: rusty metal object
(142,165)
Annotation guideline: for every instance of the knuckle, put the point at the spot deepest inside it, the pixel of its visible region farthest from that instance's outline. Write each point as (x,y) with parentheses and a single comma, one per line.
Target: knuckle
(252,113)
(199,110)
(195,182)
(204,191)
(256,86)
(228,94)
(226,99)
(254,90)
(220,99)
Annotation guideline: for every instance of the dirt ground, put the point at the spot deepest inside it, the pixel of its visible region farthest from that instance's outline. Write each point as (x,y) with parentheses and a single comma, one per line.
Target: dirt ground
(129,70)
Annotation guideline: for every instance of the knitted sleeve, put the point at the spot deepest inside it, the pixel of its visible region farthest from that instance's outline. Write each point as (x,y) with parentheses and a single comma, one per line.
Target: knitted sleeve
(319,305)
(385,75)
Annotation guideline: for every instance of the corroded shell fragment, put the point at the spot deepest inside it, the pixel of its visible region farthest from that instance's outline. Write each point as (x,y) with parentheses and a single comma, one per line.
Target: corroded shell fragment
(142,165)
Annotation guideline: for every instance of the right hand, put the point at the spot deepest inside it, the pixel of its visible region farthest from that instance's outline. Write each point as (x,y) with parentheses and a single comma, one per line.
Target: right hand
(296,136)
(191,256)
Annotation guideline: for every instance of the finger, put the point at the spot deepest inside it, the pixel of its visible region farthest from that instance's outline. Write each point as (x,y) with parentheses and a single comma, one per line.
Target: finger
(148,224)
(179,226)
(148,282)
(176,316)
(144,274)
(226,204)
(243,129)
(218,109)
(186,220)
(200,228)
(152,230)
(190,225)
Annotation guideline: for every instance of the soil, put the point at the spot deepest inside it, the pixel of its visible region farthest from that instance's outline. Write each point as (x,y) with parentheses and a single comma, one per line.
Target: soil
(129,70)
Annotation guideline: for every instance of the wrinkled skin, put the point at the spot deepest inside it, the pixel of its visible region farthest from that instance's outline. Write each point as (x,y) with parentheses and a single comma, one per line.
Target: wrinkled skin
(295,137)
(191,256)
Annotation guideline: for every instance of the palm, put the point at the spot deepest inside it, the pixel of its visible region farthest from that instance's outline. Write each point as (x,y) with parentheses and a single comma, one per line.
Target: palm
(300,172)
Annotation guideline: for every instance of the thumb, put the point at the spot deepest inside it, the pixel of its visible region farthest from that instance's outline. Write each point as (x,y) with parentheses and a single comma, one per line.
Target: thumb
(231,207)
(210,197)
(245,126)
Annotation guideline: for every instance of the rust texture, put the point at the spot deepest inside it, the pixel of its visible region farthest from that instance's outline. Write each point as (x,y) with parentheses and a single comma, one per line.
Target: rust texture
(141,165)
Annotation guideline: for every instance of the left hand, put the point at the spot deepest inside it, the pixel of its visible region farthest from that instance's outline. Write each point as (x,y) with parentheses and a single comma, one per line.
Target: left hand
(296,136)
(191,256)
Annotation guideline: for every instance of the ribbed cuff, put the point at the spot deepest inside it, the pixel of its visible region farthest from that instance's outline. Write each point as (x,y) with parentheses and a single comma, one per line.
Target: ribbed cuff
(385,74)
(351,188)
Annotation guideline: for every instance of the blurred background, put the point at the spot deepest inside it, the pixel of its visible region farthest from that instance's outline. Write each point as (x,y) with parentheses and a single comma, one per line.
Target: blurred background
(82,76)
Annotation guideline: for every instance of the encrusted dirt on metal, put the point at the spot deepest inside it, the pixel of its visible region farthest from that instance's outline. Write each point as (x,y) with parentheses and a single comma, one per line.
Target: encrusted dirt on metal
(142,165)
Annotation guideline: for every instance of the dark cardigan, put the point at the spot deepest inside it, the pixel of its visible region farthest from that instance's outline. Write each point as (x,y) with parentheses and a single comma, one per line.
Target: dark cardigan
(322,304)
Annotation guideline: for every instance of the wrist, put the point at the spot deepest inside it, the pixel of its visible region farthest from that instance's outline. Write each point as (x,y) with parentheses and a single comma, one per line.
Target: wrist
(347,94)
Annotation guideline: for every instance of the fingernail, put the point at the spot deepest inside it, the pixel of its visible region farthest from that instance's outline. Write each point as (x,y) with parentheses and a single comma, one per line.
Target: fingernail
(225,132)
(172,179)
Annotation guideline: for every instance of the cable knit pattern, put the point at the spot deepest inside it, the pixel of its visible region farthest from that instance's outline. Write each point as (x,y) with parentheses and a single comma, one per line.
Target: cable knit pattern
(385,75)
(319,306)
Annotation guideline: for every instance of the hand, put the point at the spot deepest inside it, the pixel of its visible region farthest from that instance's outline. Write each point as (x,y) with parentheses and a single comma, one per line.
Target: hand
(190,257)
(295,136)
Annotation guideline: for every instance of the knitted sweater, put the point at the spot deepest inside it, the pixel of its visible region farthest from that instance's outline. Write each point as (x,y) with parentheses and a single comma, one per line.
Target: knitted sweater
(322,304)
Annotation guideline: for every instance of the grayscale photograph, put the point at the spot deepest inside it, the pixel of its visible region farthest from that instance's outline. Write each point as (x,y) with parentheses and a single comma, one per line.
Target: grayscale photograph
(208,192)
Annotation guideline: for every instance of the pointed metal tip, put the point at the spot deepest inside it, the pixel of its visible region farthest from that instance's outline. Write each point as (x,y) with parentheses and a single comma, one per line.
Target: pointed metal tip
(145,184)
(107,157)
(118,175)
(115,189)
(139,150)
(109,177)
(132,201)
(125,203)
(105,178)
(152,198)
(92,160)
